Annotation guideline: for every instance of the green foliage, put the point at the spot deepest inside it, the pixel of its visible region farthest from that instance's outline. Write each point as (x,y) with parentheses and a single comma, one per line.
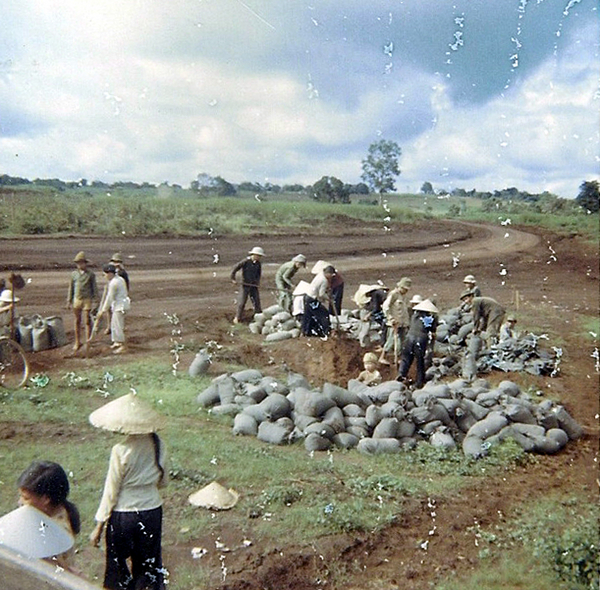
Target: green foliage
(589,196)
(330,189)
(380,167)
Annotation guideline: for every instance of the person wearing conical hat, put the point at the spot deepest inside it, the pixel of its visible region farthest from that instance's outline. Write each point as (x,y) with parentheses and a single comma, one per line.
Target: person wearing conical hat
(283,280)
(45,486)
(82,298)
(370,299)
(396,311)
(370,375)
(117,261)
(130,510)
(116,303)
(419,338)
(251,268)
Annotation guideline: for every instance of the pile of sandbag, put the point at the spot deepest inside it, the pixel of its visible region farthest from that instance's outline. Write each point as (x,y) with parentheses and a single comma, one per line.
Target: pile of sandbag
(36,333)
(275,324)
(388,417)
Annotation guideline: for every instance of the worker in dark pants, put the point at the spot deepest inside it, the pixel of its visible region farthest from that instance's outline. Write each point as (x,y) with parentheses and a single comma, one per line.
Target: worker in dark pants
(251,269)
(419,338)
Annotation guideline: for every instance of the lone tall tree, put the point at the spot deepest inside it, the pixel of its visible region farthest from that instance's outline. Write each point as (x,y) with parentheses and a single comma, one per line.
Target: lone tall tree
(589,195)
(380,167)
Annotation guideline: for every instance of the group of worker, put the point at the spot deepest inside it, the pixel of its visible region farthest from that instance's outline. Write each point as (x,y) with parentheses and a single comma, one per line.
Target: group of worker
(407,325)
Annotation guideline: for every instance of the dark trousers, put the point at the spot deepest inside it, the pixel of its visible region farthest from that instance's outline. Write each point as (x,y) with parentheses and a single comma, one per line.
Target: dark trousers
(248,291)
(337,294)
(315,321)
(414,348)
(135,535)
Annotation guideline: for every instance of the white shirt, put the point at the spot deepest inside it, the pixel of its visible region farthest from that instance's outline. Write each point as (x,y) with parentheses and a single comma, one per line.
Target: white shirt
(319,289)
(133,478)
(117,298)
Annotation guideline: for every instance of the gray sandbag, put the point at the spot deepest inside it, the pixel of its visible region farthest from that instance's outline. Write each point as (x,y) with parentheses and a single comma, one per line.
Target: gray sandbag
(271,311)
(472,446)
(400,397)
(491,424)
(547,419)
(421,415)
(389,409)
(567,423)
(371,446)
(405,429)
(255,328)
(345,440)
(200,364)
(209,397)
(312,403)
(256,392)
(56,330)
(289,325)
(480,385)
(356,386)
(272,385)
(40,334)
(275,406)
(530,430)
(302,421)
(278,336)
(267,329)
(243,401)
(442,439)
(422,397)
(226,386)
(519,413)
(464,331)
(464,419)
(559,435)
(259,318)
(256,411)
(282,316)
(527,443)
(442,333)
(552,443)
(295,380)
(316,442)
(320,428)
(381,393)
(387,428)
(409,443)
(451,405)
(24,333)
(334,417)
(357,431)
(295,332)
(247,376)
(458,385)
(358,421)
(469,393)
(437,389)
(488,399)
(430,427)
(353,410)
(275,433)
(342,397)
(522,400)
(225,410)
(479,412)
(374,415)
(509,388)
(245,425)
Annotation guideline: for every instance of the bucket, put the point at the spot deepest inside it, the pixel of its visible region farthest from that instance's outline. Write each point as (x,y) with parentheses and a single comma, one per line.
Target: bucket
(56,328)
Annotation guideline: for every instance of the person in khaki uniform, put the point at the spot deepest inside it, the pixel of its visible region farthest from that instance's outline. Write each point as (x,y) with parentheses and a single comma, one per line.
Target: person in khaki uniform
(488,315)
(283,280)
(82,297)
(396,311)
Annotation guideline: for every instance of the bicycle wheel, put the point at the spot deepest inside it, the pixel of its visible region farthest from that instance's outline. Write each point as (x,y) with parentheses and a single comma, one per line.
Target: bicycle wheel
(14,369)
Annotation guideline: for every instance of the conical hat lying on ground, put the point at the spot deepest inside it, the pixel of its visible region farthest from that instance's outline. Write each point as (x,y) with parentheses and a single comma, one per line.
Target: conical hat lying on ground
(215,497)
(32,533)
(128,415)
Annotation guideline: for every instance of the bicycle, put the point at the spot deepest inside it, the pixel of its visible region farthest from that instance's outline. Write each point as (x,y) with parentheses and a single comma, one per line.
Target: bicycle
(14,369)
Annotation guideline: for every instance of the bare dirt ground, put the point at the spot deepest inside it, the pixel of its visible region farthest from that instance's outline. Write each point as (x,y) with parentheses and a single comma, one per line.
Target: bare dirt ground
(554,277)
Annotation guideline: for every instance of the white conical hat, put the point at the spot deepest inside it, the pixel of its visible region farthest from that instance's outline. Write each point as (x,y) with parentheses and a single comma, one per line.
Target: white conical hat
(34,534)
(128,415)
(7,296)
(319,266)
(426,306)
(215,497)
(361,296)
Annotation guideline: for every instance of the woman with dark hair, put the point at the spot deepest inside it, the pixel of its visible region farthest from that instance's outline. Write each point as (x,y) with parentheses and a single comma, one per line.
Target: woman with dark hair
(45,486)
(131,507)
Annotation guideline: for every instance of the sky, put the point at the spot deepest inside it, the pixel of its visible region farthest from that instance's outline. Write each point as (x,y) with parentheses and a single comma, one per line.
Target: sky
(483,94)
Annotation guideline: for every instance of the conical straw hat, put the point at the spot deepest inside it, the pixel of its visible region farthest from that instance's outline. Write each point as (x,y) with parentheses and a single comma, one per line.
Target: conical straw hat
(426,306)
(319,266)
(361,297)
(34,534)
(215,497)
(128,415)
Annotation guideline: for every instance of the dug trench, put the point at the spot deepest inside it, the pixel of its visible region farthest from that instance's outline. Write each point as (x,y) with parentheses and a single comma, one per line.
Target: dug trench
(555,277)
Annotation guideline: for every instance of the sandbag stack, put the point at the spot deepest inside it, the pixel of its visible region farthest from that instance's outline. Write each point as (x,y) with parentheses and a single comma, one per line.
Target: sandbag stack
(36,333)
(275,324)
(388,418)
